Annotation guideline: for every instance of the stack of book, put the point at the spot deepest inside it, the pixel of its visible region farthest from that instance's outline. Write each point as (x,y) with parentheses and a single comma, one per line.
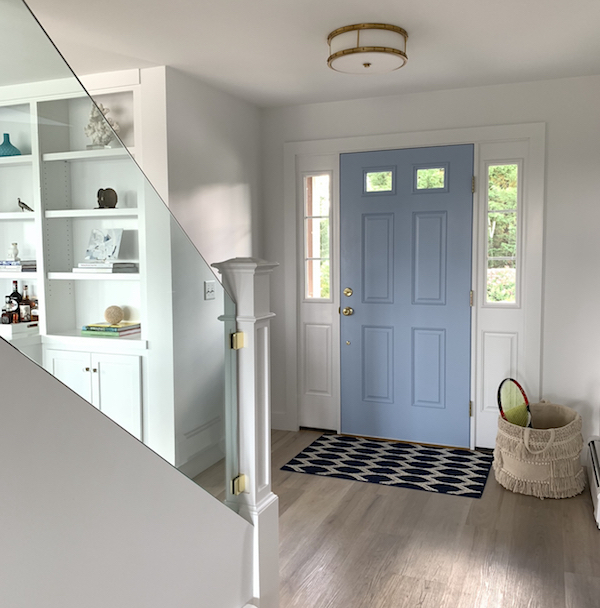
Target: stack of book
(106,330)
(107,267)
(18,265)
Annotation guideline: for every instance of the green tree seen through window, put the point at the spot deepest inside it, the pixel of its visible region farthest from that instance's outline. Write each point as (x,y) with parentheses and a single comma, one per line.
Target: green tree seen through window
(379,181)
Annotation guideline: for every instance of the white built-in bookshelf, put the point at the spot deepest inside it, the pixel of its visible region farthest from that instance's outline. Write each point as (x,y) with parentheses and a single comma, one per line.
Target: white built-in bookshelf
(132,379)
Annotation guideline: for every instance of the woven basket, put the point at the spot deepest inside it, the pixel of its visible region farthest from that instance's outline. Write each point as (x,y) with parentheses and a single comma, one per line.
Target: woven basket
(543,461)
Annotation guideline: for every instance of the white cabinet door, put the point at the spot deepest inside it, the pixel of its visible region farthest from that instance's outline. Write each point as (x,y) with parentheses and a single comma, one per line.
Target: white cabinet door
(116,389)
(112,383)
(71,368)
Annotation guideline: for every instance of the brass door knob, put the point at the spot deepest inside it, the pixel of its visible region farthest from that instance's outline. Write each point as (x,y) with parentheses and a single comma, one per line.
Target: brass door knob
(348,311)
(348,291)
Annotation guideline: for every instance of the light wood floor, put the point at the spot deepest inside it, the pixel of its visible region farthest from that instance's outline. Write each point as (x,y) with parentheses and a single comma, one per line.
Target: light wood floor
(346,544)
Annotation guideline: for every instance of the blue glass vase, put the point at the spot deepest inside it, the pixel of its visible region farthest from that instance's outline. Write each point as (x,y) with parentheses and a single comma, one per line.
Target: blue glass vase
(7,149)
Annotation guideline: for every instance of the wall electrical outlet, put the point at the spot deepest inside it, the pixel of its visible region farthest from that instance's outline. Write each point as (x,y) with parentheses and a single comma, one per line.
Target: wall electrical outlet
(209,290)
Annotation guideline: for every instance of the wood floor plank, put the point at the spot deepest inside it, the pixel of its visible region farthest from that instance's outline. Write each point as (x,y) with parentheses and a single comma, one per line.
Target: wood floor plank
(580,537)
(347,544)
(582,591)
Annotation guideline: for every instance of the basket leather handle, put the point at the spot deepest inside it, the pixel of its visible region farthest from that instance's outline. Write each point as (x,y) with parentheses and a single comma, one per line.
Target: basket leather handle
(527,433)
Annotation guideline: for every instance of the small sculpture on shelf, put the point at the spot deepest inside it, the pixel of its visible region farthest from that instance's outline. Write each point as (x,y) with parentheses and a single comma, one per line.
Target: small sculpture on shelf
(104,244)
(101,129)
(114,315)
(7,149)
(24,206)
(12,255)
(107,198)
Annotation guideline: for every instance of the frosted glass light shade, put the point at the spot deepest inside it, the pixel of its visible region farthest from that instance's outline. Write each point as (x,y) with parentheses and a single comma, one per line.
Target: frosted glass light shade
(367,48)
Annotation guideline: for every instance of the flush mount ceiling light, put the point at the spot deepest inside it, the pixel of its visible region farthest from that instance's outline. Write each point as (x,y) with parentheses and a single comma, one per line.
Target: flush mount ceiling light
(367,48)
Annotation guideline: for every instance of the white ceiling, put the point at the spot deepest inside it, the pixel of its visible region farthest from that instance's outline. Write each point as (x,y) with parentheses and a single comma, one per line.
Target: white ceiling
(273,52)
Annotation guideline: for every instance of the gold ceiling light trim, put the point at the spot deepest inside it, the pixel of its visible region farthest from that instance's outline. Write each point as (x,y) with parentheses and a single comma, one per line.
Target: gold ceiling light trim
(377,48)
(366,26)
(367,49)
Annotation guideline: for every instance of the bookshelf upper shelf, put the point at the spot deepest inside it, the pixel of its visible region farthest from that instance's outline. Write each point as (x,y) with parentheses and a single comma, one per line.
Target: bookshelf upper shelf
(23,159)
(92,213)
(94,276)
(16,215)
(105,153)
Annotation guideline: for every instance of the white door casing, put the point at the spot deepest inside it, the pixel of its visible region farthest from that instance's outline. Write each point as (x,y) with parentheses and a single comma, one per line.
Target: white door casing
(505,340)
(319,361)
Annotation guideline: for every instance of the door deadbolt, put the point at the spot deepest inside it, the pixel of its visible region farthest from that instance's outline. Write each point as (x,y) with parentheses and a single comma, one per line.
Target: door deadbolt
(348,292)
(348,311)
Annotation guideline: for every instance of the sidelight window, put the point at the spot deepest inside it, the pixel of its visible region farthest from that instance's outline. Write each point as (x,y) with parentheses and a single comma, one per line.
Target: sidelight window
(502,233)
(317,236)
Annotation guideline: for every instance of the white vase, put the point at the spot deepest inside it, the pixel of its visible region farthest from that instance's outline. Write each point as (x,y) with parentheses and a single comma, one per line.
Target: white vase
(13,252)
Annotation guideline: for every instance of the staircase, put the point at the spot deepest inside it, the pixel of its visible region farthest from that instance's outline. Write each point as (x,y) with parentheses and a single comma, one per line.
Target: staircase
(90,515)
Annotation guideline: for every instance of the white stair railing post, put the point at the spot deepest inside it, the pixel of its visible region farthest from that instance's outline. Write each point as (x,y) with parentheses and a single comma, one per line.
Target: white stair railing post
(248,282)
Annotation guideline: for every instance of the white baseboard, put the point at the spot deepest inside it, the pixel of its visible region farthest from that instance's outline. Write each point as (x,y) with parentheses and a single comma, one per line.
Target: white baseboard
(201,461)
(281,422)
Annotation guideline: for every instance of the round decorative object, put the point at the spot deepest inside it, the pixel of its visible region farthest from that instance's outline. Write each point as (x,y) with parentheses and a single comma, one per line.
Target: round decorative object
(7,149)
(107,198)
(114,315)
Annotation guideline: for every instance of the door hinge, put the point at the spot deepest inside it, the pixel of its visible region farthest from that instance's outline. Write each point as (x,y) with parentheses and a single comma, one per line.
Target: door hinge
(470,409)
(238,484)
(237,340)
(473,184)
(471,298)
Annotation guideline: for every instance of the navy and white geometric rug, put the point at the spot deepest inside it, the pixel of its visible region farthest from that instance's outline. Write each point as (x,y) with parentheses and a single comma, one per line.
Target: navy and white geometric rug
(392,463)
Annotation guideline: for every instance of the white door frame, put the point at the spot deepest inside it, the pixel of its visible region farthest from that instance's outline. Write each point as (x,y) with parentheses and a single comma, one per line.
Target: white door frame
(525,347)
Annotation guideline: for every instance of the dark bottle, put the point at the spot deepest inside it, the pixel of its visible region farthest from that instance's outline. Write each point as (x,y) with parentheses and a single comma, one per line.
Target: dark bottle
(6,315)
(15,293)
(14,301)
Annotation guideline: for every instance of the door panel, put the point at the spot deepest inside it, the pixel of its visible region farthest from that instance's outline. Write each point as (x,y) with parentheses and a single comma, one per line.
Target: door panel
(378,364)
(406,253)
(428,366)
(429,258)
(117,389)
(72,369)
(378,258)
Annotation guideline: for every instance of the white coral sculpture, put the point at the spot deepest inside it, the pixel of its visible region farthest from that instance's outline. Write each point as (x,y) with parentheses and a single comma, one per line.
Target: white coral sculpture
(101,129)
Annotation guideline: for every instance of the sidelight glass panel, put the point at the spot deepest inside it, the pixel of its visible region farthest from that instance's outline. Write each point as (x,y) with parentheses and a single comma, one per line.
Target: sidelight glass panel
(317,236)
(502,237)
(317,273)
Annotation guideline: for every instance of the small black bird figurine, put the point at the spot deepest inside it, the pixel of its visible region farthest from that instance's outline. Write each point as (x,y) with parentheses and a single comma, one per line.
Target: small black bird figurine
(24,206)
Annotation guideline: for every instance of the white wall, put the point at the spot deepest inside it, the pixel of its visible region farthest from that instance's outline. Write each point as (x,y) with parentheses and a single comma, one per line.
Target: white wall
(571,324)
(213,161)
(91,517)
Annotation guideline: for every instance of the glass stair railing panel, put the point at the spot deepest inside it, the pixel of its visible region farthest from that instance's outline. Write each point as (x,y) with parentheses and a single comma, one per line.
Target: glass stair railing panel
(120,307)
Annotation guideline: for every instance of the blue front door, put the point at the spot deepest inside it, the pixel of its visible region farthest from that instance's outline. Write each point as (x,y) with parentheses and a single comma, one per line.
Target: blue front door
(406,232)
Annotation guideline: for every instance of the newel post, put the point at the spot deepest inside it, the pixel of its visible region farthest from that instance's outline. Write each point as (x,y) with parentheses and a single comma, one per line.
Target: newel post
(247,280)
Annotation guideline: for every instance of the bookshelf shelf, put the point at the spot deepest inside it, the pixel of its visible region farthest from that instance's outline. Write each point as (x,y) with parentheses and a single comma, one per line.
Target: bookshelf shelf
(19,216)
(84,155)
(12,161)
(92,213)
(94,276)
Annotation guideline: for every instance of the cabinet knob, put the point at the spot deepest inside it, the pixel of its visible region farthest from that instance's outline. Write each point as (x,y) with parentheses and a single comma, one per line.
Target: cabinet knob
(87,369)
(94,370)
